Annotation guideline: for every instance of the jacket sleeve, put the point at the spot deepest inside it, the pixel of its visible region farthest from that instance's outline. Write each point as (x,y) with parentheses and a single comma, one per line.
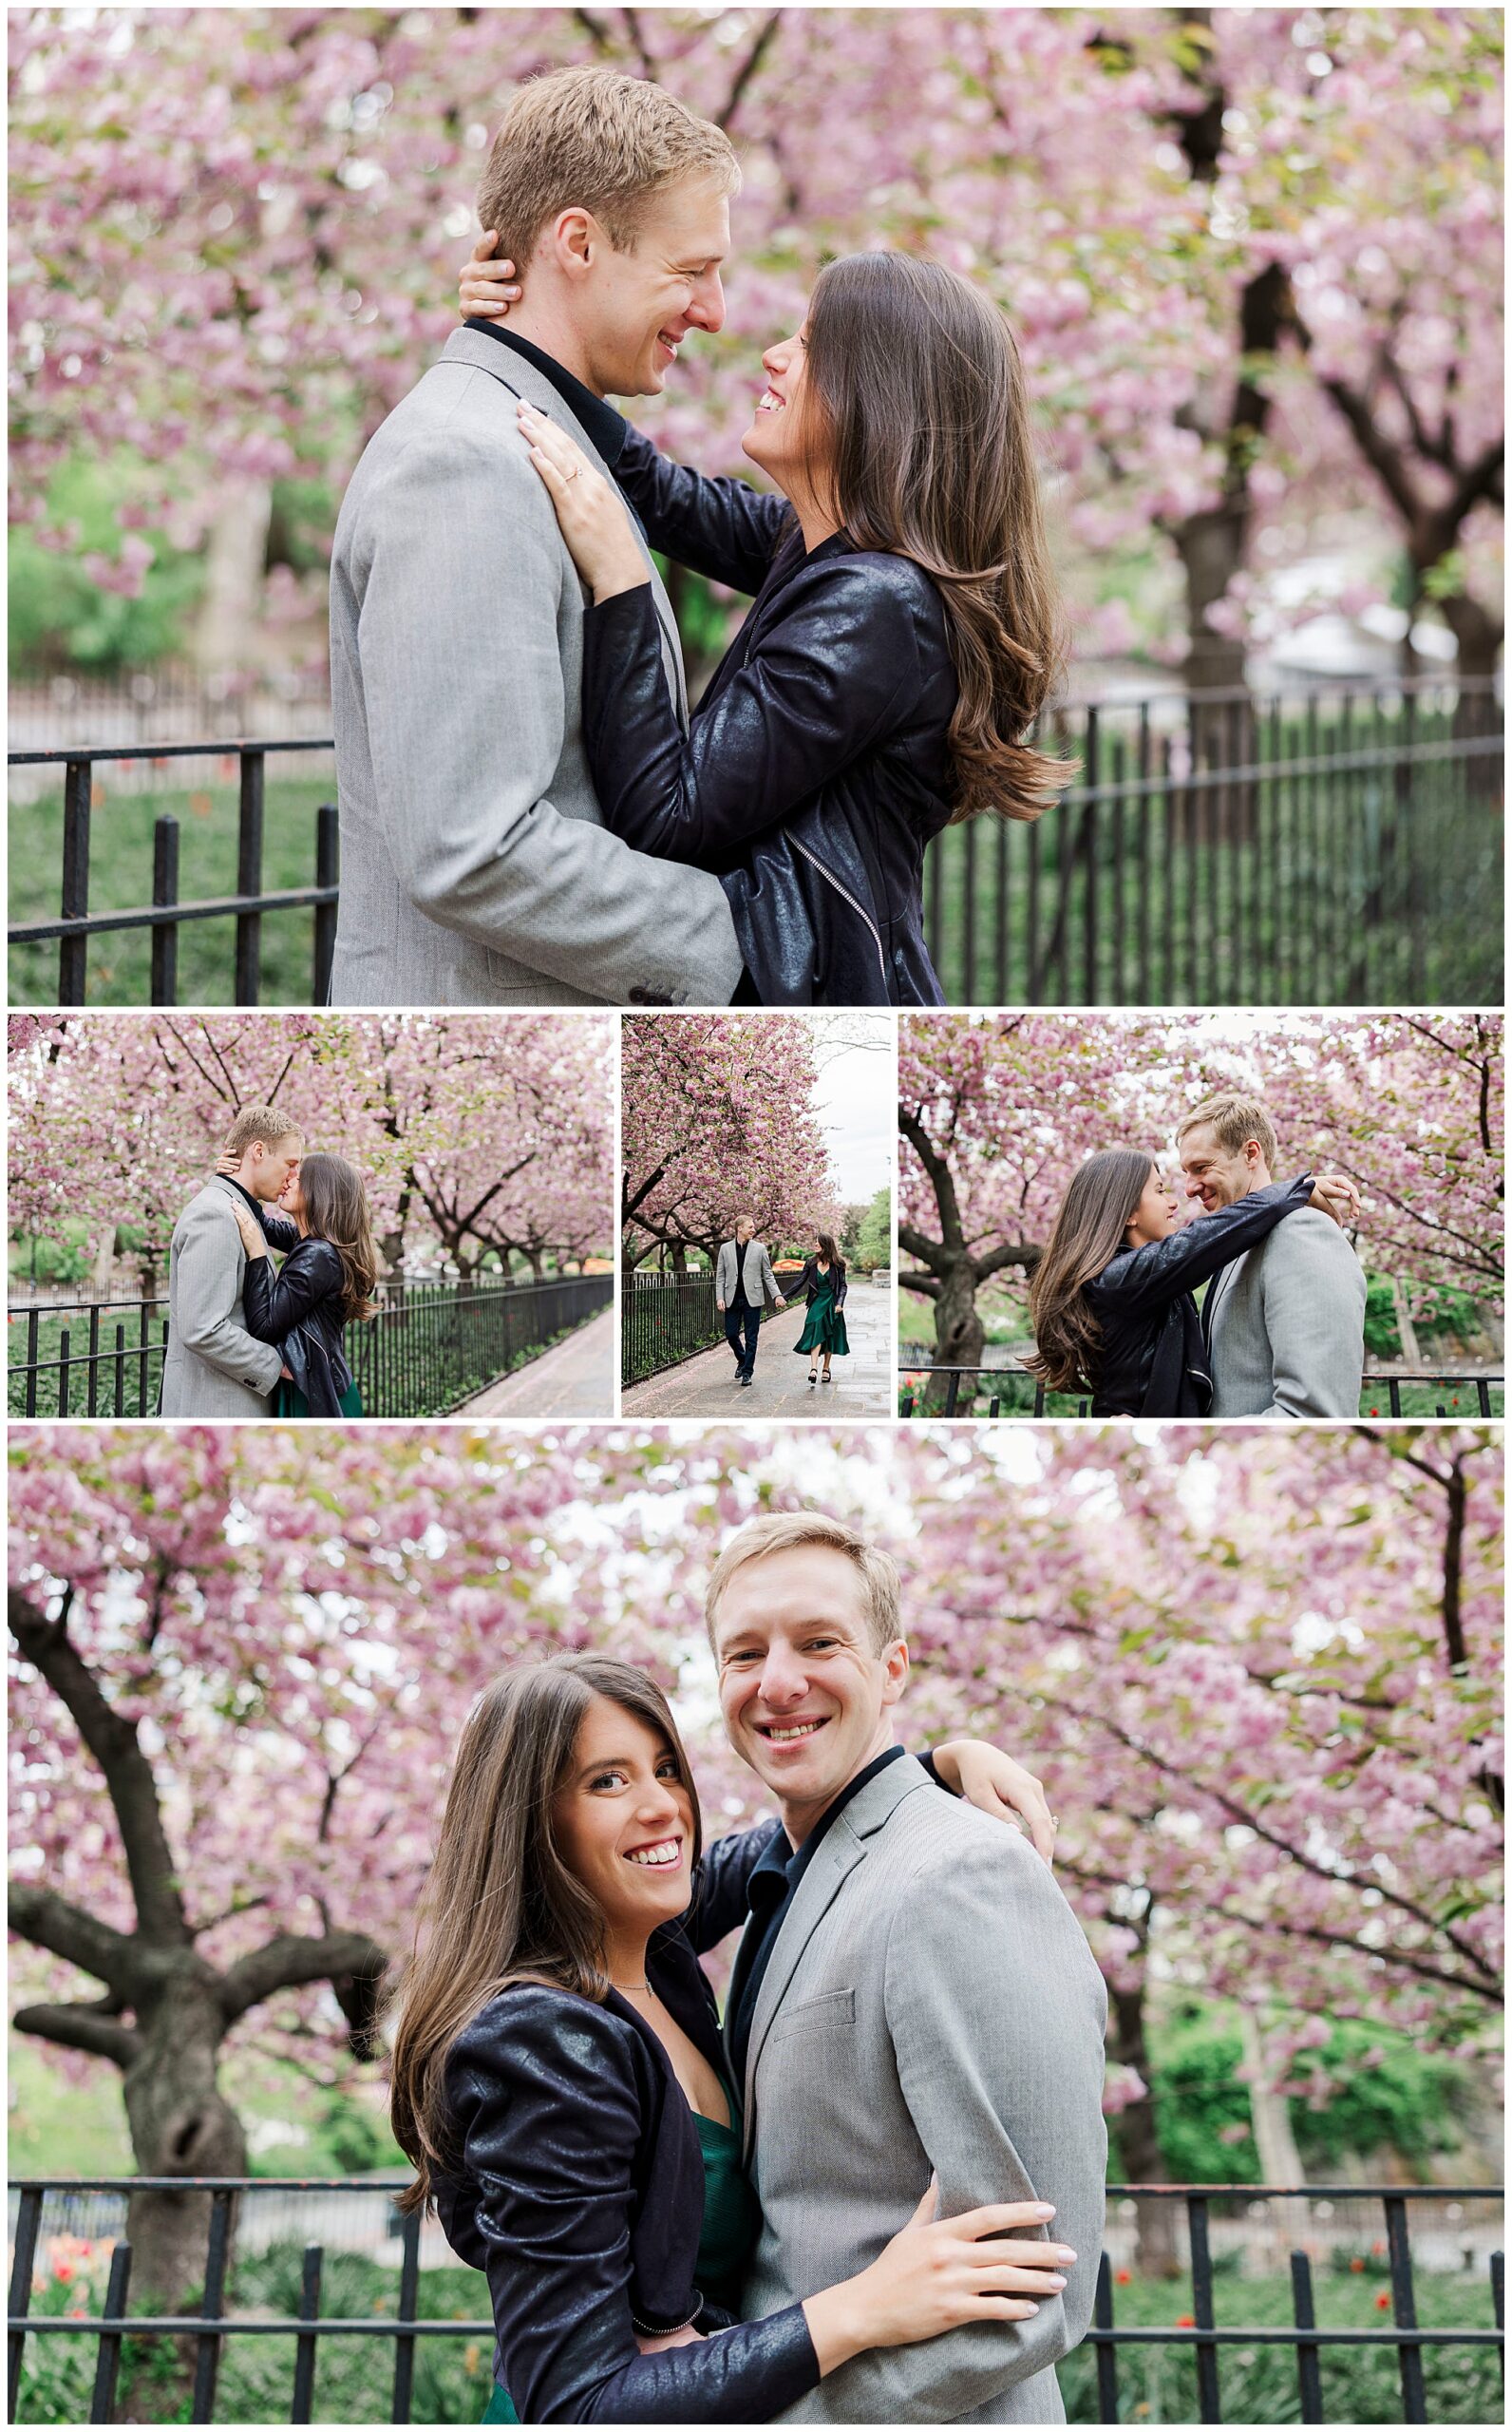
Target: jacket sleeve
(206,1294)
(721,1901)
(840,669)
(459,553)
(1158,1271)
(1314,1301)
(283,1233)
(1000,2063)
(548,2114)
(721,528)
(275,1303)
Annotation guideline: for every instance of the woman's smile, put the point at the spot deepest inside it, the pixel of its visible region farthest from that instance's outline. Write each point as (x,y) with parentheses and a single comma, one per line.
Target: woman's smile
(663,1855)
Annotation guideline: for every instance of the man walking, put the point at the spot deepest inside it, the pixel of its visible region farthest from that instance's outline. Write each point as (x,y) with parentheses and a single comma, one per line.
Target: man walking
(1284,1323)
(475,865)
(744,1286)
(911,1999)
(213,1368)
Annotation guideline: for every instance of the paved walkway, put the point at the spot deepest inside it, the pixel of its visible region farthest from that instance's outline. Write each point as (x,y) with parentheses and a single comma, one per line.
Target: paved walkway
(705,1387)
(574,1379)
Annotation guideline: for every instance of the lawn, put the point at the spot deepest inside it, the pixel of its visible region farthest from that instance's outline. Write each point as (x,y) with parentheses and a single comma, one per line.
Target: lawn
(1013,1393)
(354,2374)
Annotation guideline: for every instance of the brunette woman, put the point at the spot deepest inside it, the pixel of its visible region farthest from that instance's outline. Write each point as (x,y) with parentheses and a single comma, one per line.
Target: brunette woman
(823,1286)
(559,2082)
(905,635)
(326,1281)
(1111,1300)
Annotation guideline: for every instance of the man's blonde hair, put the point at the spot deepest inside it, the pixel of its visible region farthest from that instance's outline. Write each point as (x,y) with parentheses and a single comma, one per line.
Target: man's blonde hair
(1234,1119)
(263,1123)
(602,141)
(774,1531)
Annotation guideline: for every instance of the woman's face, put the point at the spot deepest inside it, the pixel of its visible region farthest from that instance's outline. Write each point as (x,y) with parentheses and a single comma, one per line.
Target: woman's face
(776,440)
(625,1820)
(291,1199)
(1155,1216)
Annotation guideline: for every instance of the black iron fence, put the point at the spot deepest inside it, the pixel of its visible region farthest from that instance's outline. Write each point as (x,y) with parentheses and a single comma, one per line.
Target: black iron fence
(663,1318)
(430,1346)
(930,1389)
(1335,845)
(206,2328)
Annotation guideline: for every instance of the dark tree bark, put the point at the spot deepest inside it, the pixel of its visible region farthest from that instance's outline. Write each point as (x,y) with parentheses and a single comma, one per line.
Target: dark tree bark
(950,1272)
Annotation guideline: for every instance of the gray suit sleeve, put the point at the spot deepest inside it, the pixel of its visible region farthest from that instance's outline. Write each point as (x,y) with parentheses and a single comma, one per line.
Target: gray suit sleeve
(997,2011)
(465,710)
(1313,1288)
(206,1294)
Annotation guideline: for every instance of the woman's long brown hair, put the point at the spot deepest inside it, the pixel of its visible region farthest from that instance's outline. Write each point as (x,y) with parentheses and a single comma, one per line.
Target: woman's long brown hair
(926,419)
(335,1200)
(1090,1225)
(500,1904)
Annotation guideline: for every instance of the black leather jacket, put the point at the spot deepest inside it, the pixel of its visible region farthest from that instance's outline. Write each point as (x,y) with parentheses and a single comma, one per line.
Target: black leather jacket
(579,2190)
(810,1283)
(1155,1360)
(816,769)
(299,1310)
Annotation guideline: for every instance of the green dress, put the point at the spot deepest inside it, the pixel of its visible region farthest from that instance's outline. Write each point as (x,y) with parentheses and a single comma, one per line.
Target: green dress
(825,1328)
(726,2242)
(291,1403)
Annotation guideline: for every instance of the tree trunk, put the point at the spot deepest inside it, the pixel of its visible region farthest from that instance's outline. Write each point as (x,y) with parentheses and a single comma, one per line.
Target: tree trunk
(1212,547)
(1476,715)
(226,631)
(1280,2162)
(1139,2141)
(959,1335)
(1407,1332)
(181,2127)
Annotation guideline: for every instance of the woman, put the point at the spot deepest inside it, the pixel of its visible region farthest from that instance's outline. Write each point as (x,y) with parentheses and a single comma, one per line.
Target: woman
(904,638)
(823,1286)
(1111,1300)
(325,1282)
(559,2079)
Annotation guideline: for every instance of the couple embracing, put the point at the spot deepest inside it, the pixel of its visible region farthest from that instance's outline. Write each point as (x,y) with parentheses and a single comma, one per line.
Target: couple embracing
(746,1286)
(871,2194)
(530,812)
(246,1339)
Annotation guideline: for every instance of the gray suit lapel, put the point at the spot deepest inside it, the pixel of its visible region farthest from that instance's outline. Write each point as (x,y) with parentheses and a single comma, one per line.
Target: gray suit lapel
(840,1852)
(522,378)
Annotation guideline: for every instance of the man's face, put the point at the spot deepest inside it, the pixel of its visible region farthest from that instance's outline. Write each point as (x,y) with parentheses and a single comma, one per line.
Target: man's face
(635,308)
(270,1171)
(804,1698)
(1217,1176)
(743,1233)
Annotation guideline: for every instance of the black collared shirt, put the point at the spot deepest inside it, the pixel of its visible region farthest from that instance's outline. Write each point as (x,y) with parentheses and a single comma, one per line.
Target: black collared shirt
(607,429)
(256,1205)
(770,1891)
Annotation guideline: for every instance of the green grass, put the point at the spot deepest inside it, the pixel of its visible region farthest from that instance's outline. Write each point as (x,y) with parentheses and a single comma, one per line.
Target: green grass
(453,2376)
(120,879)
(1014,1396)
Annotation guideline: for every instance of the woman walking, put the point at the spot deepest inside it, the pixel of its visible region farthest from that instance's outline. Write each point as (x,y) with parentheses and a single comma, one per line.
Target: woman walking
(823,1286)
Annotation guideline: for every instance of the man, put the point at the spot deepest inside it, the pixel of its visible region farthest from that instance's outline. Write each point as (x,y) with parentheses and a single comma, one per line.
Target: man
(1284,1323)
(912,1998)
(474,866)
(213,1367)
(744,1283)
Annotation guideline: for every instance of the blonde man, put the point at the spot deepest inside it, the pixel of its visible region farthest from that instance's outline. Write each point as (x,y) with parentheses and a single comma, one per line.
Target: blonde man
(744,1286)
(213,1368)
(911,1999)
(475,869)
(1284,1323)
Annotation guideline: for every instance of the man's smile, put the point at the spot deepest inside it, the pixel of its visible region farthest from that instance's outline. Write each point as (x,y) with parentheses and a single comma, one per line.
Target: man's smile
(782,1735)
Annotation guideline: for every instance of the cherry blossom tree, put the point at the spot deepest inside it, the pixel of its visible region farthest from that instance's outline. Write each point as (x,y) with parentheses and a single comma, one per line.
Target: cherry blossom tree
(1252,256)
(474,1133)
(996,1112)
(717,1120)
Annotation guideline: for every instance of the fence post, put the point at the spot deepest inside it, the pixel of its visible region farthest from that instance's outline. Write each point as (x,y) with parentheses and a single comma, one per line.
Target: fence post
(328,873)
(1404,2309)
(1107,2353)
(165,891)
(1210,2408)
(1308,2381)
(207,2359)
(404,2340)
(77,795)
(108,2362)
(29,2221)
(305,2342)
(248,876)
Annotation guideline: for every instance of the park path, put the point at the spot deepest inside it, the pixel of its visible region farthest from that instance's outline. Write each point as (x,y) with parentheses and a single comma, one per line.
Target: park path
(705,1386)
(574,1379)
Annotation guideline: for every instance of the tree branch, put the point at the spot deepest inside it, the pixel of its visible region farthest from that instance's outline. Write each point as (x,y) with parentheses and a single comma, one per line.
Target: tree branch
(296,1959)
(54,1923)
(83,2029)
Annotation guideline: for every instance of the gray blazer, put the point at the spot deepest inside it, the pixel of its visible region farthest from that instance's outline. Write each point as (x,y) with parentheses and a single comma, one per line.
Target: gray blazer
(213,1367)
(475,865)
(930,2006)
(761,1283)
(1285,1323)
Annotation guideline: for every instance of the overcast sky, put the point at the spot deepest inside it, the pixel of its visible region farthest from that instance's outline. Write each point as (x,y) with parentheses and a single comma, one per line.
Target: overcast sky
(858,1106)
